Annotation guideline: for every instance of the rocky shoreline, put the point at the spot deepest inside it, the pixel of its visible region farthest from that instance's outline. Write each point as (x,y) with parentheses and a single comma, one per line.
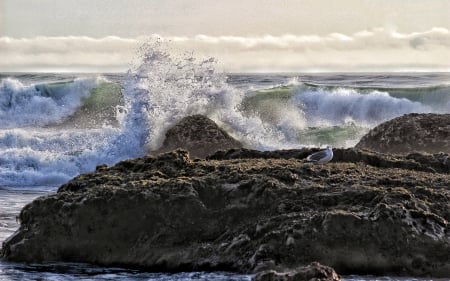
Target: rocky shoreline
(249,211)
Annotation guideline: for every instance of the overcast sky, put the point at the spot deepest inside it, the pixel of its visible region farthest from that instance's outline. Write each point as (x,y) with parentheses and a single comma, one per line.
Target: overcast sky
(244,35)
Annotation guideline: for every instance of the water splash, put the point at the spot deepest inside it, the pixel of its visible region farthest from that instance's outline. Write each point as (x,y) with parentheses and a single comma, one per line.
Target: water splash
(164,87)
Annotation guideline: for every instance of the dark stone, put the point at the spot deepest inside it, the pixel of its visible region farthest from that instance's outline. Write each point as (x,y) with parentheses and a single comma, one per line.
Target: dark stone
(199,135)
(315,271)
(426,133)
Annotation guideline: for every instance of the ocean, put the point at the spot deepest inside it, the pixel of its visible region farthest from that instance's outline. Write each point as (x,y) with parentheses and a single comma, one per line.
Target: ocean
(55,126)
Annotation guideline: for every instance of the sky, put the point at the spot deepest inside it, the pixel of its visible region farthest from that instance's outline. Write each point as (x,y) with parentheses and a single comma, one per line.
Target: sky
(243,35)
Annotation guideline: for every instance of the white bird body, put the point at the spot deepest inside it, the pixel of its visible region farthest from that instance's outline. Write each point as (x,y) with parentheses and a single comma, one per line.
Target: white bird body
(321,157)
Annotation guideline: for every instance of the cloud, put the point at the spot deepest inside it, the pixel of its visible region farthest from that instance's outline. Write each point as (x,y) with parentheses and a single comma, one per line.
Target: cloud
(377,49)
(364,40)
(65,52)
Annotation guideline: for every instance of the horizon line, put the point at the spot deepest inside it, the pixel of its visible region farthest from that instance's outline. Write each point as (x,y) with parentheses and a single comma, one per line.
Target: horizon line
(243,72)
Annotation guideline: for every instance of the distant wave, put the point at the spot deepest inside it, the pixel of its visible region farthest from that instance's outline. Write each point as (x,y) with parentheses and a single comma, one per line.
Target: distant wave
(437,96)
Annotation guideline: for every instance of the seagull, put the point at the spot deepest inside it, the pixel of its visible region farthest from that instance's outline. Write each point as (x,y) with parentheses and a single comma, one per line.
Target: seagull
(321,157)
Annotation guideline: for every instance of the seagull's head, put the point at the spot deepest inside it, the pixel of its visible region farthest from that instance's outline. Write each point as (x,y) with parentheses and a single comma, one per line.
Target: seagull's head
(329,147)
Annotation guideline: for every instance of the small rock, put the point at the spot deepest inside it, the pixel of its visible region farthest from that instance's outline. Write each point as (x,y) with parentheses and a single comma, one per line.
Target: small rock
(315,271)
(199,135)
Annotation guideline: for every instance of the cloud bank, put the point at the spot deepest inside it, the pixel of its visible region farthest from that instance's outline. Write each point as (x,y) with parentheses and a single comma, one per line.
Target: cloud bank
(379,49)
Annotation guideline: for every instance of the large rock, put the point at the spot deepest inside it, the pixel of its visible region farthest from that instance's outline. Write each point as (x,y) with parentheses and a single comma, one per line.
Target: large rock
(242,212)
(410,133)
(199,135)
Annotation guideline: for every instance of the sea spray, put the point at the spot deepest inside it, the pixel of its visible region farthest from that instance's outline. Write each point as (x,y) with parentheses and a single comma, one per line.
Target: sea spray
(163,87)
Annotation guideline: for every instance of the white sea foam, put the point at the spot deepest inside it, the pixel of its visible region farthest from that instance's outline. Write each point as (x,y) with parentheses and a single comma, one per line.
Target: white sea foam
(50,157)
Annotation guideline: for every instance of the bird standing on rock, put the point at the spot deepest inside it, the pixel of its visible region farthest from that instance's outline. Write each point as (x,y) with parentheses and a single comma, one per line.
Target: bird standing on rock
(321,157)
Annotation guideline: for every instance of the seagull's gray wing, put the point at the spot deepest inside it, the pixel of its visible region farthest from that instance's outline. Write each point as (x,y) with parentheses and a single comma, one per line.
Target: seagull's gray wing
(317,156)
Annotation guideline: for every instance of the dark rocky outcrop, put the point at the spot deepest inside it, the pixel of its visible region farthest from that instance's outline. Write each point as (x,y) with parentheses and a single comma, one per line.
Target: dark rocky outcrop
(248,211)
(410,133)
(315,271)
(199,135)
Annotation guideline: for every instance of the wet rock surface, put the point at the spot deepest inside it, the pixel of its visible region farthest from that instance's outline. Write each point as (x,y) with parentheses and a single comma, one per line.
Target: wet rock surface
(410,133)
(248,211)
(199,135)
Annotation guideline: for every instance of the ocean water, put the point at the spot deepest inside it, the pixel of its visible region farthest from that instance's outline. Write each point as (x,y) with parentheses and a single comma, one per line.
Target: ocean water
(54,126)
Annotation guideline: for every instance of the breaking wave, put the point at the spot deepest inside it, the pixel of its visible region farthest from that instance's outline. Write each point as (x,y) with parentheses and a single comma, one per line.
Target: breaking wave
(41,104)
(342,105)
